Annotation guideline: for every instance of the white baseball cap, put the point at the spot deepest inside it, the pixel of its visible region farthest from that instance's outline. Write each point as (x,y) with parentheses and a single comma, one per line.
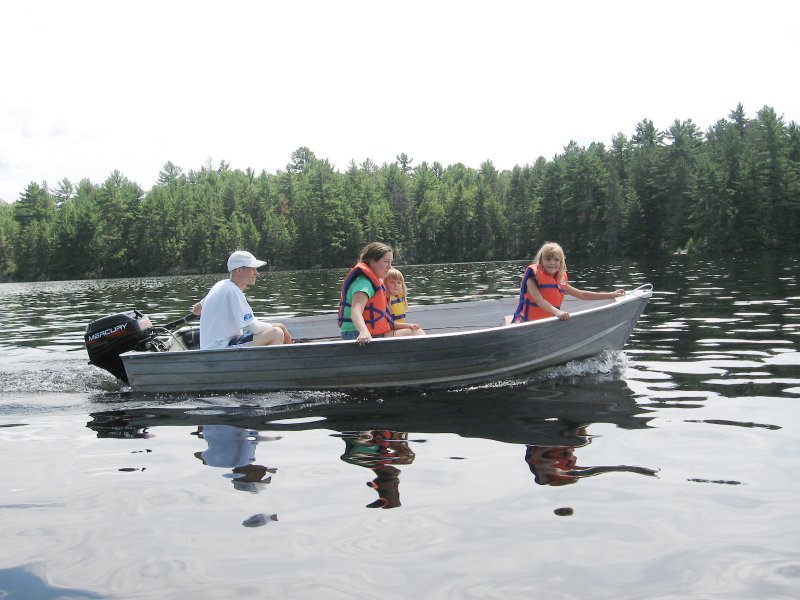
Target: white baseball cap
(241,258)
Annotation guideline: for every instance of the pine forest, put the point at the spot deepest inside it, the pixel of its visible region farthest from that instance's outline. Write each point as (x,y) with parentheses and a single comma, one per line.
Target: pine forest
(733,188)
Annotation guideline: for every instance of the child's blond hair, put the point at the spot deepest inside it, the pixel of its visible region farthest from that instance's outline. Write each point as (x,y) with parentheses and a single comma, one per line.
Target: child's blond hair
(552,250)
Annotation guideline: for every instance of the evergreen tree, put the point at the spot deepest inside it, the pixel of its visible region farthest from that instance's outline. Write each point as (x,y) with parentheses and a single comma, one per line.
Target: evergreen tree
(69,243)
(63,192)
(713,213)
(275,226)
(490,222)
(548,214)
(34,213)
(727,147)
(771,171)
(8,235)
(118,202)
(648,186)
(431,220)
(170,174)
(394,192)
(681,154)
(519,203)
(300,159)
(35,204)
(404,162)
(424,184)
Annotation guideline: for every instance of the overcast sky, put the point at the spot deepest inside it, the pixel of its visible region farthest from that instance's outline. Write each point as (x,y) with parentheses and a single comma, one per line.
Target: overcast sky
(89,87)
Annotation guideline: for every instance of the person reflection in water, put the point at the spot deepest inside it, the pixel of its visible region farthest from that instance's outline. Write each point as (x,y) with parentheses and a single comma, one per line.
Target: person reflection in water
(380,451)
(234,448)
(557,465)
(552,465)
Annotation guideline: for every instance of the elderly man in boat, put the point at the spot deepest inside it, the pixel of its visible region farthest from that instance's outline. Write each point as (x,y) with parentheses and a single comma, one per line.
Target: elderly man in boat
(226,319)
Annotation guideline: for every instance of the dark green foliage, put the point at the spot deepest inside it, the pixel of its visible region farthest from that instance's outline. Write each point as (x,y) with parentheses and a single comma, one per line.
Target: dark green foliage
(34,213)
(735,187)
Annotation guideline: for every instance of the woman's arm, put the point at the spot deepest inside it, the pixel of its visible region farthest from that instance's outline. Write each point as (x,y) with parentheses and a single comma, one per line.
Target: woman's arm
(357,316)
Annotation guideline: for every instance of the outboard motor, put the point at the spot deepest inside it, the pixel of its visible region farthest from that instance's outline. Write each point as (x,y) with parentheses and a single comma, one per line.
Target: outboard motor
(110,336)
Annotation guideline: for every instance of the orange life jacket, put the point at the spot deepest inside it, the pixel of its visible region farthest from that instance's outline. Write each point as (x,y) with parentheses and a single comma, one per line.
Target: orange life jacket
(376,312)
(553,291)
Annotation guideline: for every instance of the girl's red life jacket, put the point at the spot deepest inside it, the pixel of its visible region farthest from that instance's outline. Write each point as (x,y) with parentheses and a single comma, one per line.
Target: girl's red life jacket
(553,291)
(376,312)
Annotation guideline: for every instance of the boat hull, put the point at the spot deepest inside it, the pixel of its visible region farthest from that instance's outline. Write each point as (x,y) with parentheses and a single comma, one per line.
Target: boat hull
(437,360)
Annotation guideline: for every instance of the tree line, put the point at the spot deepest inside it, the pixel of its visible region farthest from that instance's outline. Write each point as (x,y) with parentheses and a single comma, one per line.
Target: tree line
(735,187)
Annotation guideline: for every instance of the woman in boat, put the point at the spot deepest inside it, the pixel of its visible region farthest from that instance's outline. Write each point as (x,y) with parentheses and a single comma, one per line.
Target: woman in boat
(544,285)
(364,305)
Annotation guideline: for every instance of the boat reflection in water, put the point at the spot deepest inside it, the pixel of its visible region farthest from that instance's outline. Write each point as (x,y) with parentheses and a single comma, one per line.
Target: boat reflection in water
(548,421)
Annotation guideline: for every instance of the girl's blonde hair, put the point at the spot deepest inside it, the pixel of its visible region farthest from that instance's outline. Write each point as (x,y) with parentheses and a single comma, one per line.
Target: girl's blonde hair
(552,250)
(396,275)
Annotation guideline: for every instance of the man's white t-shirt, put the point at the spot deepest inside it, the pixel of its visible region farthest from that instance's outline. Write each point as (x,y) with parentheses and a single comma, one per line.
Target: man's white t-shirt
(225,314)
(229,446)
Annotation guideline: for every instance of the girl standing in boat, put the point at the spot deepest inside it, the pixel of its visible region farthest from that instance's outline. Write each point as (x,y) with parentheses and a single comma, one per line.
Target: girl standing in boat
(364,305)
(544,285)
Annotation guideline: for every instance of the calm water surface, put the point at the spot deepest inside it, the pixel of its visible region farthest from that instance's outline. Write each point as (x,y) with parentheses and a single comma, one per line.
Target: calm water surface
(668,470)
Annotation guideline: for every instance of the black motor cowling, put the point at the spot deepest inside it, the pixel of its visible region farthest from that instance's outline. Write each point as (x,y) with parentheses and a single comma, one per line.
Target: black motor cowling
(110,336)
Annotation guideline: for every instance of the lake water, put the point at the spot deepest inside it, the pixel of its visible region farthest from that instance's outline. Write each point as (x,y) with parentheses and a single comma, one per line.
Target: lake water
(668,470)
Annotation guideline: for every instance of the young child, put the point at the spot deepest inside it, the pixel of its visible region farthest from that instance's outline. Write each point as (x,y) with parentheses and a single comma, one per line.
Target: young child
(396,288)
(545,284)
(395,285)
